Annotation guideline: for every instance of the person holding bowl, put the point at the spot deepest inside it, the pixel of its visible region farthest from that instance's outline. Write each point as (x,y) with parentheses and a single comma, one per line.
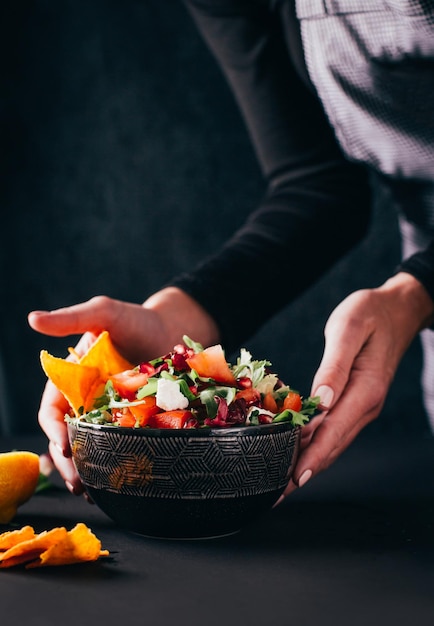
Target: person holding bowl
(338,102)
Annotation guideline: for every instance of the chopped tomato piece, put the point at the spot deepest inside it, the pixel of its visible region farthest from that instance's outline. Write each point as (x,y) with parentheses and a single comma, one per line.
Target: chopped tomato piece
(211,363)
(250,395)
(143,412)
(292,401)
(269,403)
(128,382)
(124,418)
(170,419)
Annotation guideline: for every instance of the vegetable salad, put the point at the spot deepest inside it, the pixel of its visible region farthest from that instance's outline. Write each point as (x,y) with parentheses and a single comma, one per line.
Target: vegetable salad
(193,387)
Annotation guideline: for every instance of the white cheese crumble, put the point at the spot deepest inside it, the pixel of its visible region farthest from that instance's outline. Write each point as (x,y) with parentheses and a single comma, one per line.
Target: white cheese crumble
(252,409)
(169,396)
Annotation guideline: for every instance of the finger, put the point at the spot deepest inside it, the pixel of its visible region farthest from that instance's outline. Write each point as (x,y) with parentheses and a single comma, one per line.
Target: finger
(51,418)
(83,345)
(358,406)
(93,315)
(307,433)
(335,430)
(309,429)
(288,490)
(342,345)
(67,470)
(134,330)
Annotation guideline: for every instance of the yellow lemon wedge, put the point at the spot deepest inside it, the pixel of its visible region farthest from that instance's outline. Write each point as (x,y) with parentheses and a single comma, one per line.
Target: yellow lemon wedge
(19,474)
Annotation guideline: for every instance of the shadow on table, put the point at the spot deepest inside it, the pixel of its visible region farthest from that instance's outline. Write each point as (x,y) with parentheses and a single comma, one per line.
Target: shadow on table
(371,525)
(378,497)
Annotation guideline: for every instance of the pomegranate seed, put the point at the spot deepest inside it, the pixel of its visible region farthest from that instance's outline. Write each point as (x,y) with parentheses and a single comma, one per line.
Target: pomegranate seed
(244,382)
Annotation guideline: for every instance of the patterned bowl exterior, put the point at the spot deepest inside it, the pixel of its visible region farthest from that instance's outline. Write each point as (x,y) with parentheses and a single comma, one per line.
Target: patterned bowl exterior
(184,483)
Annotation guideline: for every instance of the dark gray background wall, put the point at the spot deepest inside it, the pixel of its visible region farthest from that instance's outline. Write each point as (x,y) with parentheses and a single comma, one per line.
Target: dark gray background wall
(124,160)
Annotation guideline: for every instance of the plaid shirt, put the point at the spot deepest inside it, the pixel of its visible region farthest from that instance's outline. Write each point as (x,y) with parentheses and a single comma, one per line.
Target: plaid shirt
(372,63)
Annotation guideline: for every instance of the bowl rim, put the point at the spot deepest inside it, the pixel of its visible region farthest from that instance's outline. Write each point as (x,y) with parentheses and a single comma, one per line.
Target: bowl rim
(204,432)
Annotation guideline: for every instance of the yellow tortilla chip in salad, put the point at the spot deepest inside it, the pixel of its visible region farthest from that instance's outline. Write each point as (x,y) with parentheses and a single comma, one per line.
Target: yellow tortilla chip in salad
(82,381)
(103,355)
(75,381)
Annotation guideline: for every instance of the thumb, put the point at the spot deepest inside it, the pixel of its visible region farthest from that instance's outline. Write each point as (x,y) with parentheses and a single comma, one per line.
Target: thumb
(342,346)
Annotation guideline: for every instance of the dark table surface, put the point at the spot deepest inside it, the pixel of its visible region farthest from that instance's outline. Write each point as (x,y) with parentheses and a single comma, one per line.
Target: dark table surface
(354,547)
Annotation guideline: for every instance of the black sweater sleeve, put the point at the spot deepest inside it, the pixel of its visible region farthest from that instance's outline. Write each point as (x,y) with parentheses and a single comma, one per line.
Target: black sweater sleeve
(421,266)
(317,205)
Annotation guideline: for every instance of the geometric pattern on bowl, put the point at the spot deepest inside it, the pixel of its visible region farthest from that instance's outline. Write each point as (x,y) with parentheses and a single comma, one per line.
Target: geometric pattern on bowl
(186,464)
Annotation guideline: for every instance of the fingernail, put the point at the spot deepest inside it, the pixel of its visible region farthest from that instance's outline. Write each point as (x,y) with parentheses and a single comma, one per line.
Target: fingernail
(77,489)
(307,475)
(326,395)
(281,499)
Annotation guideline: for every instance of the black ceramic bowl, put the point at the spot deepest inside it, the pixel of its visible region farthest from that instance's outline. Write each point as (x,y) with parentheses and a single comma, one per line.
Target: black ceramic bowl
(184,483)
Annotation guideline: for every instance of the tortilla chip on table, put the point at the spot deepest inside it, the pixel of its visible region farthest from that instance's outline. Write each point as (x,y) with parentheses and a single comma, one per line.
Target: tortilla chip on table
(51,547)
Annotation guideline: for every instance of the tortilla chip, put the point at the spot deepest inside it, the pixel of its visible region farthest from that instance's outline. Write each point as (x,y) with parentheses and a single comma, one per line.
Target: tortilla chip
(83,381)
(22,559)
(78,546)
(54,547)
(10,538)
(32,548)
(73,380)
(103,355)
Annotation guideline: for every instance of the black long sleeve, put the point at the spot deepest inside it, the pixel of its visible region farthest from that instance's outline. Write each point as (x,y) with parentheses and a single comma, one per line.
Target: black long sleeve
(317,205)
